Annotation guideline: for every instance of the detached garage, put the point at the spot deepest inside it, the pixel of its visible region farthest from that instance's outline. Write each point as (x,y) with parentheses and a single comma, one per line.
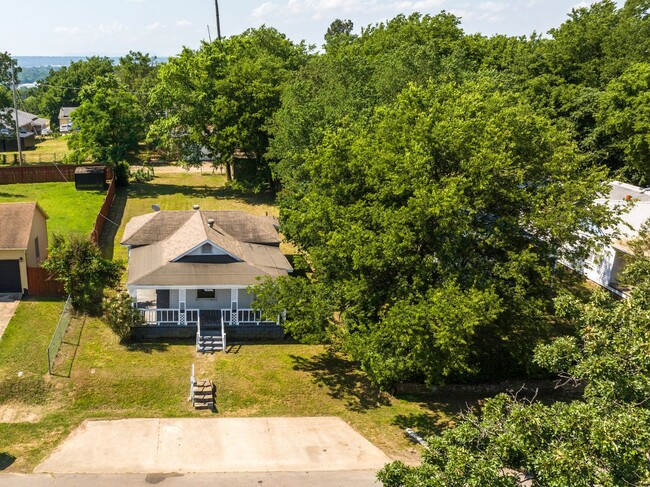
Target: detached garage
(23,244)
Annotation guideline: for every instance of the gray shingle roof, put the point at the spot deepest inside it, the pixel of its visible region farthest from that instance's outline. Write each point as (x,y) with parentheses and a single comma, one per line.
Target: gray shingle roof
(158,239)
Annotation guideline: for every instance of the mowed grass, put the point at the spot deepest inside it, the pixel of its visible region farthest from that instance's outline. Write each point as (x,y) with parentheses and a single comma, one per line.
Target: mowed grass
(97,377)
(46,151)
(70,211)
(101,378)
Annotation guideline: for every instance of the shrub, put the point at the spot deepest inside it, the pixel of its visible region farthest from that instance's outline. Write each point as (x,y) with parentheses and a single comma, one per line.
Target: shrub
(79,264)
(143,174)
(122,173)
(119,313)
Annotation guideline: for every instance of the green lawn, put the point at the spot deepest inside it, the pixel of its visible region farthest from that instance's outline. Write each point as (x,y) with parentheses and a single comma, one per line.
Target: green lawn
(100,378)
(70,211)
(46,151)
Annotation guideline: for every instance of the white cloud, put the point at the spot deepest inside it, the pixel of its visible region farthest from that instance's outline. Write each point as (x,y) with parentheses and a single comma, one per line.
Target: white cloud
(183,23)
(154,26)
(494,7)
(580,5)
(293,10)
(67,30)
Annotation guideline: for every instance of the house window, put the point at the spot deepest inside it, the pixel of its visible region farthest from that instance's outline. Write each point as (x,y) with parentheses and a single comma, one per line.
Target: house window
(38,249)
(206,248)
(205,294)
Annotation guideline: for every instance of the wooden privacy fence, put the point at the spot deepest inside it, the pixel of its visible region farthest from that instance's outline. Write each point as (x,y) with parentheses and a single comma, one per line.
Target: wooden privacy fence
(102,216)
(41,285)
(47,173)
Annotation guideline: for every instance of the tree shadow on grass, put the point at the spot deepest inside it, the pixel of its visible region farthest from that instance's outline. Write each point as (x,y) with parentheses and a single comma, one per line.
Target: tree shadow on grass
(115,214)
(440,411)
(147,347)
(6,460)
(343,379)
(12,195)
(145,191)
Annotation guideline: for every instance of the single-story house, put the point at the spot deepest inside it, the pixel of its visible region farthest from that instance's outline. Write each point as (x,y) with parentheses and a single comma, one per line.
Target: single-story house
(604,267)
(65,120)
(23,244)
(28,122)
(189,271)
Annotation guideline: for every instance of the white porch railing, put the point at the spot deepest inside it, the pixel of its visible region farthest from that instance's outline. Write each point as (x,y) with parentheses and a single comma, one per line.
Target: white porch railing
(244,316)
(169,316)
(198,336)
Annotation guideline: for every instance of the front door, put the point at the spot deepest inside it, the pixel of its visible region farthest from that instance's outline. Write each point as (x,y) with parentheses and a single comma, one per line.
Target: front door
(162,298)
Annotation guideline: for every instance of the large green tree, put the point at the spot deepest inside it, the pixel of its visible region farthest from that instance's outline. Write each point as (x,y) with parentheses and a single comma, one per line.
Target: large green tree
(61,88)
(222,97)
(600,439)
(455,197)
(108,123)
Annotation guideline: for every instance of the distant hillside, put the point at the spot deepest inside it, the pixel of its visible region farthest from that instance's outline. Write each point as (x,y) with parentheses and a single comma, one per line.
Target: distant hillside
(35,68)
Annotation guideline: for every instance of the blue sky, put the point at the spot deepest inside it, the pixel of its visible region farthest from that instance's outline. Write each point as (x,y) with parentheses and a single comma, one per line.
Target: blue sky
(163,27)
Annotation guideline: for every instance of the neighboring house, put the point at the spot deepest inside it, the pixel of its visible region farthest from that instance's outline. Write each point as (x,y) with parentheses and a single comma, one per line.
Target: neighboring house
(23,244)
(65,120)
(189,271)
(28,122)
(29,126)
(604,267)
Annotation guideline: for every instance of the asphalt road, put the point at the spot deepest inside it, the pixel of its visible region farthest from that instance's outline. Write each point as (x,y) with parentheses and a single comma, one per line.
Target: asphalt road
(358,478)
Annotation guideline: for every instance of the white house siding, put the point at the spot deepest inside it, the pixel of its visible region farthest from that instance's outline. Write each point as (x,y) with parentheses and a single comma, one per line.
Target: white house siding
(221,300)
(244,299)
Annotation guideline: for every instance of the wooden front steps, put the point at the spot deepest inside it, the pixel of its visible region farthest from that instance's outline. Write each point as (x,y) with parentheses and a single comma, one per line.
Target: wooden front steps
(203,394)
(210,341)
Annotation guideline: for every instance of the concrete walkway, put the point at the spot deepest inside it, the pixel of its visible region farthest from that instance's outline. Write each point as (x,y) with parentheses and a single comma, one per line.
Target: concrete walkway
(196,445)
(7,309)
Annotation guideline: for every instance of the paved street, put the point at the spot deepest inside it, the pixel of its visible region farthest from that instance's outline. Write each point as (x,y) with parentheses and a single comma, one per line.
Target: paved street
(262,479)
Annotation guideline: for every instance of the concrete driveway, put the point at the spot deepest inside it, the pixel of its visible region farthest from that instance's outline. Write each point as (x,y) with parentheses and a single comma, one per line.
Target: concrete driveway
(202,445)
(7,309)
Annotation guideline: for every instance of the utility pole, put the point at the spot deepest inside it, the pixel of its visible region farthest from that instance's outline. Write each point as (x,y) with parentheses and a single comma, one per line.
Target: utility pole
(216,5)
(13,90)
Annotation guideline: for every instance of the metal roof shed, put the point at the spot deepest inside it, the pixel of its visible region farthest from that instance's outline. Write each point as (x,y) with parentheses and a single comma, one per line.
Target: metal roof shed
(91,177)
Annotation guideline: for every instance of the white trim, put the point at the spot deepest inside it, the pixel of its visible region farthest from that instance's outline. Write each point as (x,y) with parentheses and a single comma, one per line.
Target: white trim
(214,246)
(193,286)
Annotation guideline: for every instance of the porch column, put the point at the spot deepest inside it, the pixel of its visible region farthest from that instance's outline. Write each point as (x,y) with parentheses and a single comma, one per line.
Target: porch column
(234,306)
(182,297)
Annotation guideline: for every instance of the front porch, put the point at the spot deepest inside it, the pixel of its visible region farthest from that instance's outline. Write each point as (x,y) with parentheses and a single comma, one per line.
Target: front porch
(189,306)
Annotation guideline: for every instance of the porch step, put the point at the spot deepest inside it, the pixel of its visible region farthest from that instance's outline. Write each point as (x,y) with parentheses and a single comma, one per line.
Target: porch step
(203,394)
(210,343)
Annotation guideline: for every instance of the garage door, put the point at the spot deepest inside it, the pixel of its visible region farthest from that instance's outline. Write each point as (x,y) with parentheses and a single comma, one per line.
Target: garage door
(10,277)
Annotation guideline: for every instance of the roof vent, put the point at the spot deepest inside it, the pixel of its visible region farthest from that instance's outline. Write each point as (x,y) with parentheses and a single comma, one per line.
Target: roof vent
(195,207)
(210,222)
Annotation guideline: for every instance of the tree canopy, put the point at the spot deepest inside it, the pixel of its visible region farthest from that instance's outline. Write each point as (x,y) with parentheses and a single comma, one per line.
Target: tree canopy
(599,439)
(221,97)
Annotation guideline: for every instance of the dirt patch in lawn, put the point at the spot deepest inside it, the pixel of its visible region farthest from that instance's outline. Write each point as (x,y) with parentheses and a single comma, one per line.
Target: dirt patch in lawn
(20,413)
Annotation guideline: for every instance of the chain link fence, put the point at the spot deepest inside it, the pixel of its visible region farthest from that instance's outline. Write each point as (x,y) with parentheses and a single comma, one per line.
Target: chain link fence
(57,337)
